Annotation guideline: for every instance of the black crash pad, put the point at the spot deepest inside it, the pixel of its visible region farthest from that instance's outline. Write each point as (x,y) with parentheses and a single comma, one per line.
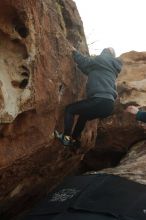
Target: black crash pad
(100,197)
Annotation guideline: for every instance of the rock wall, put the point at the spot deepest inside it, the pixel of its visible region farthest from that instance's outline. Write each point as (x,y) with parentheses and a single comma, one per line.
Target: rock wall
(16,93)
(132,82)
(133,165)
(38,78)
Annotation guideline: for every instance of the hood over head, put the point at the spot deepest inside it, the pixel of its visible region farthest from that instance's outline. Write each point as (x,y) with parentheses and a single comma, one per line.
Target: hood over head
(109,51)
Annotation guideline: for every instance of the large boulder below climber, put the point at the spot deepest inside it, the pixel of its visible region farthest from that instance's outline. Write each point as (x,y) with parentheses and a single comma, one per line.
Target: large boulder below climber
(133,165)
(38,78)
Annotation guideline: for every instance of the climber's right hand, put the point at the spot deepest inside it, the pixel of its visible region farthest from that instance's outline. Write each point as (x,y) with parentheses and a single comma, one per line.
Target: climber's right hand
(73,48)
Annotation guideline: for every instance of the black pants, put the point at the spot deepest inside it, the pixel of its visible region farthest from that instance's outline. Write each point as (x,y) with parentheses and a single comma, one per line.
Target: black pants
(87,109)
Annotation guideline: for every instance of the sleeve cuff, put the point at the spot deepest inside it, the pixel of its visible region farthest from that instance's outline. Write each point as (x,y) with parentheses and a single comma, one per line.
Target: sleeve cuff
(138,115)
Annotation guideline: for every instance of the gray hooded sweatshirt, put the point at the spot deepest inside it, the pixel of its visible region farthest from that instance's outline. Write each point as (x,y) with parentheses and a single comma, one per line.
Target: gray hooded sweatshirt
(102,71)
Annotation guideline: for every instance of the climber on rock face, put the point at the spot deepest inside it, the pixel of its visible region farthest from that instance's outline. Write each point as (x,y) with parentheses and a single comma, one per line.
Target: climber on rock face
(102,71)
(134,110)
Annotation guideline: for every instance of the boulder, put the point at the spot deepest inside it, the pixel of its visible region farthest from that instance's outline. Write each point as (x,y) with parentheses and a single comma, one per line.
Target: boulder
(38,78)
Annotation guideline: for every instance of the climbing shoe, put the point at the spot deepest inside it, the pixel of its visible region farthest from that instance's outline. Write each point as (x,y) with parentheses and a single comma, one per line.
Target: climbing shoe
(64,139)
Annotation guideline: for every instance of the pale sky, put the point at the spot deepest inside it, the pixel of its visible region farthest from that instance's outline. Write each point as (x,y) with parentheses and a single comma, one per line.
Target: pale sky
(120,24)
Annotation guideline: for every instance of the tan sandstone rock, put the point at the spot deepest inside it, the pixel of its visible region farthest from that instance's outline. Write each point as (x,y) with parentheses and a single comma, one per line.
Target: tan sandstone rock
(38,78)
